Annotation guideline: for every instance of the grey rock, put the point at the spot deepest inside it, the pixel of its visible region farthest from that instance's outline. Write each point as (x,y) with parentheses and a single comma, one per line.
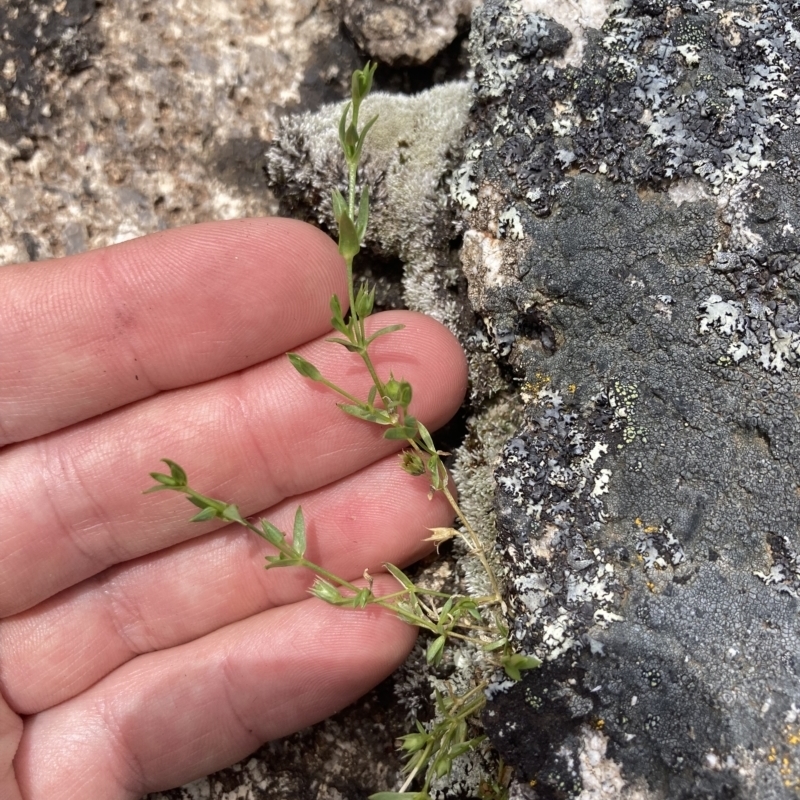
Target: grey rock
(405,32)
(631,247)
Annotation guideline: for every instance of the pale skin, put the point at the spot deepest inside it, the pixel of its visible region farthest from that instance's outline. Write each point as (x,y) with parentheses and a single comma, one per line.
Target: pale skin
(139,651)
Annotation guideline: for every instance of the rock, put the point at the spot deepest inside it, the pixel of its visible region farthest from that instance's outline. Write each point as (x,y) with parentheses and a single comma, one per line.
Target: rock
(405,32)
(632,249)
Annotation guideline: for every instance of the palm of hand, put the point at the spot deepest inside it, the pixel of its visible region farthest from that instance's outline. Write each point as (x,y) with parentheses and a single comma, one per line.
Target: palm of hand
(140,651)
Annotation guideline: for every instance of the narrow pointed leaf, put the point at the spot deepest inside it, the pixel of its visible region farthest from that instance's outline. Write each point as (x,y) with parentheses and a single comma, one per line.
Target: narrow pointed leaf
(305,368)
(272,534)
(299,533)
(206,514)
(384,331)
(177,472)
(433,655)
(339,204)
(424,434)
(343,124)
(400,576)
(349,244)
(364,131)
(281,561)
(363,214)
(231,513)
(376,415)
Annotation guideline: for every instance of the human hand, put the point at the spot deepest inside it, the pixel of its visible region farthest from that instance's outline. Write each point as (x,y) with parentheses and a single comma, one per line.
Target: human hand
(139,651)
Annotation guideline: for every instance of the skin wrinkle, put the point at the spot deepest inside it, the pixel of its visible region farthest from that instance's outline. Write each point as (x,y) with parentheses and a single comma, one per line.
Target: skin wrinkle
(71,476)
(124,754)
(125,617)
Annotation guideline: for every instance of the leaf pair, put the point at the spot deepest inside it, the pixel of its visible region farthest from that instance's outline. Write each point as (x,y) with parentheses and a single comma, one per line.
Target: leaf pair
(276,537)
(326,591)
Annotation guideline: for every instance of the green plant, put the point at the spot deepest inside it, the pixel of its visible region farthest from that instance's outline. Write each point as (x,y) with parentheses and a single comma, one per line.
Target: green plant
(477,621)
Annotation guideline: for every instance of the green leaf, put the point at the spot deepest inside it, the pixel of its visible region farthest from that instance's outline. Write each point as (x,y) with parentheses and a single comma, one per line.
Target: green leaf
(362,598)
(163,488)
(400,576)
(463,747)
(408,430)
(360,141)
(166,481)
(353,348)
(282,561)
(343,125)
(376,415)
(349,244)
(299,532)
(370,397)
(203,516)
(448,606)
(433,655)
(231,513)
(362,81)
(336,307)
(435,469)
(364,302)
(424,434)
(384,331)
(327,591)
(363,214)
(495,645)
(305,368)
(514,663)
(337,320)
(177,472)
(339,204)
(272,534)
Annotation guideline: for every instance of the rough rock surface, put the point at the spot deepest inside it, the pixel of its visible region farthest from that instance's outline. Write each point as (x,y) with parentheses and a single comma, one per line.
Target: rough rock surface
(405,31)
(632,249)
(125,118)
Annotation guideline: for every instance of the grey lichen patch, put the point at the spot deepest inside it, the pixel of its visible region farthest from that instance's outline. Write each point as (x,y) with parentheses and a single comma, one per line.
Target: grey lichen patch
(784,572)
(658,269)
(665,90)
(408,158)
(756,306)
(658,547)
(551,482)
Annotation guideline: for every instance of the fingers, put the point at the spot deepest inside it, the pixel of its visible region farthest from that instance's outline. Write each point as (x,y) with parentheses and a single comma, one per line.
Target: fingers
(10,735)
(82,335)
(171,716)
(253,438)
(66,644)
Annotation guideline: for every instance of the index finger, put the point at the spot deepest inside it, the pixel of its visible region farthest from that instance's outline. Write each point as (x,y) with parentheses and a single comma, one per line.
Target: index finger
(82,335)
